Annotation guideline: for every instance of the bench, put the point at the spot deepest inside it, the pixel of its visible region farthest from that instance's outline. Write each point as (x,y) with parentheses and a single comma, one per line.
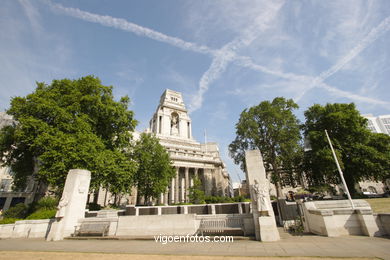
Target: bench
(220,225)
(92,229)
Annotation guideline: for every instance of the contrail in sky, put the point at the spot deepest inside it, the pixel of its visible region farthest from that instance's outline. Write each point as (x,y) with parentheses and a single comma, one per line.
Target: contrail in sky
(122,24)
(374,34)
(223,56)
(227,53)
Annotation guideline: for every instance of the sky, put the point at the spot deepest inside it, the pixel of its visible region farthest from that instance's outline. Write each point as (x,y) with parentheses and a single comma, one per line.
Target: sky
(224,56)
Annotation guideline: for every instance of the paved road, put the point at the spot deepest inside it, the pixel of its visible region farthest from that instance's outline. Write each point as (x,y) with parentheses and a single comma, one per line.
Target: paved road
(348,246)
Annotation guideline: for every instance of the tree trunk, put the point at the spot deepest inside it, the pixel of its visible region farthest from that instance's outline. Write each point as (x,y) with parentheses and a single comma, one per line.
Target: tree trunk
(279,191)
(278,184)
(351,184)
(115,199)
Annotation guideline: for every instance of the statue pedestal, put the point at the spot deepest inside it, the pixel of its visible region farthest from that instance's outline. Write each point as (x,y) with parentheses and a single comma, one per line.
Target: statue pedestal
(72,204)
(263,214)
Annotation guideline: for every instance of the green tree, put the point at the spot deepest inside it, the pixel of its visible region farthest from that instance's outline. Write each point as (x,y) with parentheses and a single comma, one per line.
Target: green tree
(362,154)
(272,128)
(66,125)
(155,169)
(196,194)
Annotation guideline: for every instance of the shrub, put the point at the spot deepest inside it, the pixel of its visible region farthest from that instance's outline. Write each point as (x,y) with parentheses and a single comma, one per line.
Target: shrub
(43,214)
(181,204)
(240,199)
(111,207)
(196,195)
(18,211)
(94,206)
(8,221)
(218,199)
(46,203)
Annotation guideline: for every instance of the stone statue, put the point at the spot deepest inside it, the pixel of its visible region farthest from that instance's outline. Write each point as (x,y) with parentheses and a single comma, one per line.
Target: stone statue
(260,197)
(175,125)
(62,206)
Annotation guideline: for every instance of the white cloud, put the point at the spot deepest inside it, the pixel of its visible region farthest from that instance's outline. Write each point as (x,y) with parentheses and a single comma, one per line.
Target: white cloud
(352,96)
(122,24)
(28,53)
(179,80)
(374,34)
(228,52)
(298,83)
(32,15)
(348,21)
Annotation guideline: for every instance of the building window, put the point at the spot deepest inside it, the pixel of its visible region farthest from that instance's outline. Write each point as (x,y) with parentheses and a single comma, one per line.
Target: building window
(386,121)
(159,124)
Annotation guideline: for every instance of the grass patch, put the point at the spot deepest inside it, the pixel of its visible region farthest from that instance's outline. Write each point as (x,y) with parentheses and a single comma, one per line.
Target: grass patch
(8,220)
(380,205)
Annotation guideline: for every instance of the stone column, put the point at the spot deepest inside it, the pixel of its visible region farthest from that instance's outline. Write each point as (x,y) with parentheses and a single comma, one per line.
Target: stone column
(161,199)
(177,185)
(172,191)
(71,207)
(166,202)
(157,124)
(263,214)
(187,184)
(182,189)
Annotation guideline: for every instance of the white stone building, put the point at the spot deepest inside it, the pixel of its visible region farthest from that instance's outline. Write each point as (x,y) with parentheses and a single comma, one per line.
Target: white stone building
(379,124)
(8,196)
(172,125)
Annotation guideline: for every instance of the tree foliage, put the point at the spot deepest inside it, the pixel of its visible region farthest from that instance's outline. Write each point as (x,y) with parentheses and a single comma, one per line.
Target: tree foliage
(362,154)
(155,169)
(272,128)
(66,125)
(196,194)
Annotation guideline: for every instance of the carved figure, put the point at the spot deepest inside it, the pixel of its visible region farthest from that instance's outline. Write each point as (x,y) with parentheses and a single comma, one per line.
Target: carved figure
(260,196)
(175,125)
(62,206)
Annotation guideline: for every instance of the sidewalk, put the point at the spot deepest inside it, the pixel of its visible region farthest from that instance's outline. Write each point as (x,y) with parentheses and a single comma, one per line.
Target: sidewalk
(309,245)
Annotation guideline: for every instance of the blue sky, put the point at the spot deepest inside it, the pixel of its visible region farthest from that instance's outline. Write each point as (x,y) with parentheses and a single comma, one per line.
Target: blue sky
(224,56)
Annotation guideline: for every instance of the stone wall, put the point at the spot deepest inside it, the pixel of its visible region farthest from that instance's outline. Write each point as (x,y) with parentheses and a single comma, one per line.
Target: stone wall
(337,218)
(201,209)
(26,229)
(383,222)
(156,225)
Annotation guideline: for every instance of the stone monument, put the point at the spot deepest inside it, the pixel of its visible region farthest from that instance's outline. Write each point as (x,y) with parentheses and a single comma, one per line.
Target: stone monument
(71,207)
(263,214)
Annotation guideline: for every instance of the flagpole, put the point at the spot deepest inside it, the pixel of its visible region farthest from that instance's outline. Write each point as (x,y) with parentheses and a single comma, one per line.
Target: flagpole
(340,171)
